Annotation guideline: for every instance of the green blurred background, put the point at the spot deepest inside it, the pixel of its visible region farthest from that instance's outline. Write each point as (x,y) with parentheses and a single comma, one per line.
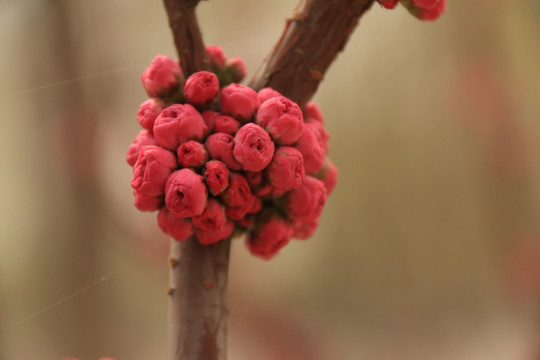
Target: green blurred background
(429,248)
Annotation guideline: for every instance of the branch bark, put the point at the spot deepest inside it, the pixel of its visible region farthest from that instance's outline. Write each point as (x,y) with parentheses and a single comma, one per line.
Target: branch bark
(312,39)
(187,36)
(198,300)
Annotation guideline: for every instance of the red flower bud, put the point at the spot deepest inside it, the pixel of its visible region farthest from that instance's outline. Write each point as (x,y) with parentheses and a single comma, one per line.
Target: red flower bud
(177,124)
(148,112)
(216,176)
(311,146)
(192,154)
(286,171)
(313,112)
(152,169)
(185,193)
(306,203)
(282,118)
(143,138)
(266,94)
(226,124)
(328,174)
(162,77)
(220,147)
(178,228)
(238,193)
(147,203)
(389,4)
(239,212)
(201,88)
(239,101)
(253,147)
(207,237)
(213,216)
(210,119)
(270,235)
(426,4)
(303,230)
(216,55)
(237,67)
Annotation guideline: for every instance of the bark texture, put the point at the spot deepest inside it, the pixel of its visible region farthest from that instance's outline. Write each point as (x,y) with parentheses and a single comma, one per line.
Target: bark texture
(313,37)
(198,300)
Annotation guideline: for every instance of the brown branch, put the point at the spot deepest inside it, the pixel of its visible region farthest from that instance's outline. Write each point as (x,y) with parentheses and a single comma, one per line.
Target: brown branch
(198,303)
(187,36)
(312,39)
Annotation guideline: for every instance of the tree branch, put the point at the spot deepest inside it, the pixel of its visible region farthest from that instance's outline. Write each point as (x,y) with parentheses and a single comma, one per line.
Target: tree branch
(198,303)
(312,39)
(187,36)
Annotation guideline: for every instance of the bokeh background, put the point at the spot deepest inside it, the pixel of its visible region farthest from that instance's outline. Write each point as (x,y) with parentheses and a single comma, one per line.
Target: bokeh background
(429,248)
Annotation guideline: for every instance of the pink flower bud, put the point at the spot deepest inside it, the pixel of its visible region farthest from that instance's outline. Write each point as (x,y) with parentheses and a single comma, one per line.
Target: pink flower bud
(286,171)
(426,4)
(311,148)
(389,4)
(213,216)
(432,13)
(210,119)
(147,203)
(226,124)
(216,55)
(328,174)
(304,231)
(179,229)
(238,193)
(270,235)
(207,237)
(321,133)
(313,112)
(307,202)
(148,112)
(426,9)
(220,147)
(282,118)
(162,77)
(152,169)
(216,176)
(192,154)
(254,178)
(237,67)
(253,147)
(247,221)
(201,88)
(262,190)
(177,124)
(266,94)
(143,138)
(239,101)
(185,193)
(239,212)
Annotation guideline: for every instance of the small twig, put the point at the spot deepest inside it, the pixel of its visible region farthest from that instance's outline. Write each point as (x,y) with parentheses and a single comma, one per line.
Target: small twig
(312,39)
(187,36)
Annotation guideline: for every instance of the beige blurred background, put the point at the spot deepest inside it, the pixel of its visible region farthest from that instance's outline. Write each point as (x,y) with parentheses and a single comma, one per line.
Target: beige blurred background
(429,248)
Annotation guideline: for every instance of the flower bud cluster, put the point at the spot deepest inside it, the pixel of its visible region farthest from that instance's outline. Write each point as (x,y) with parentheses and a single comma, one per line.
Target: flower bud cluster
(422,9)
(228,159)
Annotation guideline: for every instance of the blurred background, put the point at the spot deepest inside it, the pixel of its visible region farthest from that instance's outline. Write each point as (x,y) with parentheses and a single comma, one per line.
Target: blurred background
(429,248)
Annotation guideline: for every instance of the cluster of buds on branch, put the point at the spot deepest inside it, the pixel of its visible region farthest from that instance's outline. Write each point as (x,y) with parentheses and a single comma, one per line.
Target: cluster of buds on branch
(422,9)
(217,158)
